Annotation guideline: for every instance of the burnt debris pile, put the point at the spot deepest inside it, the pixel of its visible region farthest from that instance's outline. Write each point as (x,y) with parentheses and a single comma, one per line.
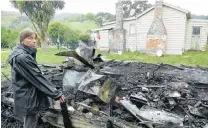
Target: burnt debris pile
(121,94)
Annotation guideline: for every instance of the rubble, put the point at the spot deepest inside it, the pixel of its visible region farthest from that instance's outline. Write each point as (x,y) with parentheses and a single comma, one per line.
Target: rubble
(195,111)
(151,115)
(138,98)
(206,126)
(145,90)
(160,116)
(174,94)
(122,94)
(89,83)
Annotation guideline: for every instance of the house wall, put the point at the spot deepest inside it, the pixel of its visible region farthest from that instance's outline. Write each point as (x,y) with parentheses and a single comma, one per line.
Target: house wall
(130,38)
(175,24)
(143,25)
(103,43)
(203,33)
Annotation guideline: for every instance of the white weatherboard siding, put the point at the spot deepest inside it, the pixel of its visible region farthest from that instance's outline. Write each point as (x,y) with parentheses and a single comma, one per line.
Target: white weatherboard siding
(203,33)
(143,25)
(175,23)
(103,43)
(130,38)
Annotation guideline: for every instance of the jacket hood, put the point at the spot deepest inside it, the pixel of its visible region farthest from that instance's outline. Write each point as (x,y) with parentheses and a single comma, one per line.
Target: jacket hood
(22,49)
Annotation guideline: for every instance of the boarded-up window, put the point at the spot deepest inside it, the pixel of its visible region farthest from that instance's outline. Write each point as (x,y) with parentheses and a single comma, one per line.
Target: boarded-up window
(196,31)
(132,29)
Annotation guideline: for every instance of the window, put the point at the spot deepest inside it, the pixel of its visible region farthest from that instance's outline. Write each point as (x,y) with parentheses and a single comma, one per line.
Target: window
(196,31)
(132,29)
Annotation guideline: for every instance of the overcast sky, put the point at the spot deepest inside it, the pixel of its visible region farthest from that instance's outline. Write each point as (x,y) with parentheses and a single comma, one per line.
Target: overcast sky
(199,7)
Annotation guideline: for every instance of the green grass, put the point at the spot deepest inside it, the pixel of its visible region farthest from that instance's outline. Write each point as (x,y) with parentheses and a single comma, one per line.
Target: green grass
(4,56)
(82,26)
(47,57)
(190,58)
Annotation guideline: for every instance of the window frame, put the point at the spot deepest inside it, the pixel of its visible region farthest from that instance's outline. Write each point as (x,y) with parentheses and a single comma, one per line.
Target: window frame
(194,34)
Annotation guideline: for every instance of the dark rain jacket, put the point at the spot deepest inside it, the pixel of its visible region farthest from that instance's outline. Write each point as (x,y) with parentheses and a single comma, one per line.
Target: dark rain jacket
(31,88)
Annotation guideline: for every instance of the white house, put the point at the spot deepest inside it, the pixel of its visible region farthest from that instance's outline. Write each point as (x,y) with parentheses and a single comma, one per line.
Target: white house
(183,33)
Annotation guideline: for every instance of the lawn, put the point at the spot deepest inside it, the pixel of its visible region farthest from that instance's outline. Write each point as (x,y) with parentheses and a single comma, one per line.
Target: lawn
(42,57)
(190,58)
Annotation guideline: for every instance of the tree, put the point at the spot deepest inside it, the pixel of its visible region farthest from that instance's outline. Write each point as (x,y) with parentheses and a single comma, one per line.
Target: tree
(89,16)
(72,38)
(56,31)
(40,14)
(99,21)
(102,17)
(4,43)
(137,7)
(8,37)
(60,31)
(84,37)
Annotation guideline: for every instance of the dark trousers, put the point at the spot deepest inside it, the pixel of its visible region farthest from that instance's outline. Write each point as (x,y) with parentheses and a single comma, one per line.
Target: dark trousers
(31,121)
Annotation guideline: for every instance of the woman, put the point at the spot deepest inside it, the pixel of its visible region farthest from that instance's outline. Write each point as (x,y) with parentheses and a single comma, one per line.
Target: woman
(31,88)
